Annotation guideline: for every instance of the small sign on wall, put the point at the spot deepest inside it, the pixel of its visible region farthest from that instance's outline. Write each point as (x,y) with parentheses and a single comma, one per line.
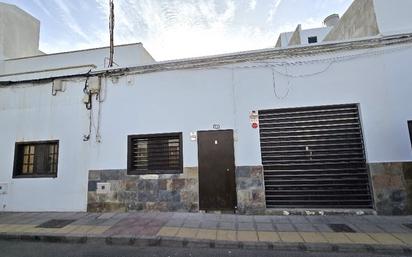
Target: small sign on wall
(193,136)
(254,119)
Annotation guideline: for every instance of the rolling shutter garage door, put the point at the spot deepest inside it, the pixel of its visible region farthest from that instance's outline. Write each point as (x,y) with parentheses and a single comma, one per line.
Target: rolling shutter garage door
(313,157)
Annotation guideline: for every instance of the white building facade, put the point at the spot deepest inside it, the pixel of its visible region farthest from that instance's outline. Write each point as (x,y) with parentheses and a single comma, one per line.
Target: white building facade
(310,127)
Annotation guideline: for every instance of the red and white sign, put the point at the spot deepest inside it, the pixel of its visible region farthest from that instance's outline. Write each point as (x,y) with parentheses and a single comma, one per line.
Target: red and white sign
(254,119)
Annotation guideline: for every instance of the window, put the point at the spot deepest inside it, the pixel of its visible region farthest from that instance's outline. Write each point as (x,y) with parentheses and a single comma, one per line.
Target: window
(155,154)
(36,159)
(312,40)
(410,130)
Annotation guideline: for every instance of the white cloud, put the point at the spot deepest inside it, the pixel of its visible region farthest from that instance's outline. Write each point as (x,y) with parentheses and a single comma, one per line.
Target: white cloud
(40,4)
(68,18)
(252,4)
(273,10)
(309,23)
(173,29)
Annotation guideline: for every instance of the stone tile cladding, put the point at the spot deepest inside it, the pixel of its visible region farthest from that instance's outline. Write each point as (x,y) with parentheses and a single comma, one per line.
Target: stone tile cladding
(250,189)
(391,183)
(171,192)
(392,187)
(179,192)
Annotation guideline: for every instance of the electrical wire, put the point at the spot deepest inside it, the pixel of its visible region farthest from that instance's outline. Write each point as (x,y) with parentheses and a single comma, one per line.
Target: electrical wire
(329,62)
(275,89)
(101,99)
(89,106)
(397,42)
(87,137)
(272,66)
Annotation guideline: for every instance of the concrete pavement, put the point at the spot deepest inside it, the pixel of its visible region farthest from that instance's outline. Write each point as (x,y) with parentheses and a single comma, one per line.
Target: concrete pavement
(377,234)
(42,249)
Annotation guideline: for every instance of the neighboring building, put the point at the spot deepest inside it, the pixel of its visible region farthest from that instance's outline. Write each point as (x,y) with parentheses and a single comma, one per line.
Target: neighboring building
(19,33)
(367,18)
(307,36)
(311,127)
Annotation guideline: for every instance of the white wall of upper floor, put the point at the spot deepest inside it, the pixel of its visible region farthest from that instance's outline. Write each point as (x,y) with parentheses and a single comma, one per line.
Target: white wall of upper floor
(393,17)
(124,56)
(192,100)
(19,43)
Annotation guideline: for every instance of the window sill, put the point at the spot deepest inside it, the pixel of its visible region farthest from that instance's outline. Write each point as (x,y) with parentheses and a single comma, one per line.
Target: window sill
(34,176)
(149,172)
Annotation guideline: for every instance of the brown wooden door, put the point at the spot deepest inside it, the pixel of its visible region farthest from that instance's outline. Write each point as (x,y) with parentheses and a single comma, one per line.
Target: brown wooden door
(217,186)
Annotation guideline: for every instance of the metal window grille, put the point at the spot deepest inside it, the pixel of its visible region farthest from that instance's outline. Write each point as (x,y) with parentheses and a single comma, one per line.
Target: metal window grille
(313,157)
(410,130)
(36,159)
(155,153)
(53,155)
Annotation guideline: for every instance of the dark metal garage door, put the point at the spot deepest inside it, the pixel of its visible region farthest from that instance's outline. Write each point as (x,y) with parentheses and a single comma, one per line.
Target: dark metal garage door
(313,157)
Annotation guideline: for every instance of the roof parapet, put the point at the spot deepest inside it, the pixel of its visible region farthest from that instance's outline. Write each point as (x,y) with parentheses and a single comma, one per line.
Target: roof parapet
(295,39)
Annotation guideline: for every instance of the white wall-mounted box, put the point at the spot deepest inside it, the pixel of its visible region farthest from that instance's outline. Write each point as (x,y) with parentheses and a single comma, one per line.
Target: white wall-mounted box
(94,84)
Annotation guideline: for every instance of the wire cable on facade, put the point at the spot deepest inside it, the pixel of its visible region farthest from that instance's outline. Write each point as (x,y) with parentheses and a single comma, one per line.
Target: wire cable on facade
(101,99)
(275,89)
(396,43)
(88,105)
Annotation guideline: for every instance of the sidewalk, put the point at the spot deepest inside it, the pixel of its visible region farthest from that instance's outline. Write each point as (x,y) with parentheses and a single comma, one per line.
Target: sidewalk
(307,233)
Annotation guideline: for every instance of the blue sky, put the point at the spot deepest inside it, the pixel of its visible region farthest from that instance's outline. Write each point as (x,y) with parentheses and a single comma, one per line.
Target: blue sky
(172,29)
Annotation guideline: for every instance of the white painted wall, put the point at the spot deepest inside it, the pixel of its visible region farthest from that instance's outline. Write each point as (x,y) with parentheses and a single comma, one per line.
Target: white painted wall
(178,101)
(30,113)
(191,100)
(370,81)
(394,17)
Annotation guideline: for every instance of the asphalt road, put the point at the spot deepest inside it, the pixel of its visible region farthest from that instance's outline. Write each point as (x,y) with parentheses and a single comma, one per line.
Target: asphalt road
(34,249)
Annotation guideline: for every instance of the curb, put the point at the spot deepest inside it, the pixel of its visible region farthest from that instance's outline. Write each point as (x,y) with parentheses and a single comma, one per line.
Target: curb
(198,243)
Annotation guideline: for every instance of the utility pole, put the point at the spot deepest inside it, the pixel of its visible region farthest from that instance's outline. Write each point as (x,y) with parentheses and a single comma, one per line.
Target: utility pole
(111,29)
